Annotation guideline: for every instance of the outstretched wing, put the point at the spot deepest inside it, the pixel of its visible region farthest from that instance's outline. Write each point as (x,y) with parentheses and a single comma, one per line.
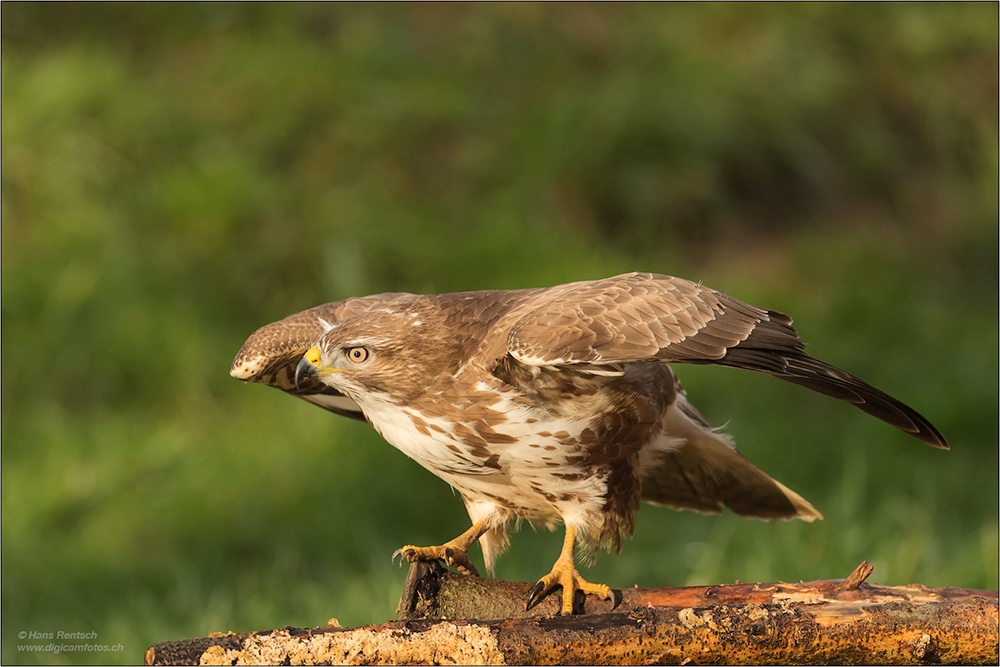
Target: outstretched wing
(649,317)
(270,354)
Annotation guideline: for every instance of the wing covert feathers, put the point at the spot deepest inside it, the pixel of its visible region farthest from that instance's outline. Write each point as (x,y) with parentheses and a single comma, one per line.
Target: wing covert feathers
(593,325)
(648,317)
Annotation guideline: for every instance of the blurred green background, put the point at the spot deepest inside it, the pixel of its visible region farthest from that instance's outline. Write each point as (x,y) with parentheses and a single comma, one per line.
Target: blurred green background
(175,176)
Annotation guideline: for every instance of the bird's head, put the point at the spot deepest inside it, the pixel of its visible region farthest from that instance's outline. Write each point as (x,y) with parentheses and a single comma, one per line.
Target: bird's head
(386,352)
(330,364)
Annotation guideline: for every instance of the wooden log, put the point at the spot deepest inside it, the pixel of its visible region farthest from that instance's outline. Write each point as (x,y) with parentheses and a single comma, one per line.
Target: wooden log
(821,622)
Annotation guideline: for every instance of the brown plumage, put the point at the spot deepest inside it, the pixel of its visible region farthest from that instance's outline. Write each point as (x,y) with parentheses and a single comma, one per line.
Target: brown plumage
(555,404)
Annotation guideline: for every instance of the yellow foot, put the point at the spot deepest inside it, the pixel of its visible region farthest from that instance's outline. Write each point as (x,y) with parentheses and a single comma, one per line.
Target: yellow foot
(564,574)
(455,553)
(452,556)
(571,581)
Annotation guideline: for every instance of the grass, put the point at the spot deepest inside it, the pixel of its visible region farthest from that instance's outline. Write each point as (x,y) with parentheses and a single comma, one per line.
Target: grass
(176,176)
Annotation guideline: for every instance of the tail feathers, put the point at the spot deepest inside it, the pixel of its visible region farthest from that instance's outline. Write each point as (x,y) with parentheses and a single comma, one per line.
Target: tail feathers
(493,542)
(705,473)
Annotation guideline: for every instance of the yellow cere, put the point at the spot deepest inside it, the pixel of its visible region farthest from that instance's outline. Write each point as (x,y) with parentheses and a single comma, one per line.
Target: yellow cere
(313,355)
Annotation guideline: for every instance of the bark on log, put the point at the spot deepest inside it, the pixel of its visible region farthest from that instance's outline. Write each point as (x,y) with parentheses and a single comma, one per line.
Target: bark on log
(821,622)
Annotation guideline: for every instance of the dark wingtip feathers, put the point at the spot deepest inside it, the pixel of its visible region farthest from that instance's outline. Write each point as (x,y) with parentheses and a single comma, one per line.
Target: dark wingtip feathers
(798,367)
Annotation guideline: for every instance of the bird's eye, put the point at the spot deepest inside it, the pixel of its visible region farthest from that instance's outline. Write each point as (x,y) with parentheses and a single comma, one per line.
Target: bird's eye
(357,354)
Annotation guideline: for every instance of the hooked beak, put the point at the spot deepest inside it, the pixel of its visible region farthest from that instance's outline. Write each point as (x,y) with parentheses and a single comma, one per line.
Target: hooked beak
(304,371)
(309,367)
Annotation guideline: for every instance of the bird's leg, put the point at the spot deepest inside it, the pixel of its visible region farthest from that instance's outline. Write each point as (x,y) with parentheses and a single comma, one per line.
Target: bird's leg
(564,574)
(455,553)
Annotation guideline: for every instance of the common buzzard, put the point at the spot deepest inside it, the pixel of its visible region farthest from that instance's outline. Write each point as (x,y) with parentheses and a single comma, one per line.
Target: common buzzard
(555,404)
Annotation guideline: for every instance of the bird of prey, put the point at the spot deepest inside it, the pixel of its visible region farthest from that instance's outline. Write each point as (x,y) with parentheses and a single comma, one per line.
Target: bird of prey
(555,405)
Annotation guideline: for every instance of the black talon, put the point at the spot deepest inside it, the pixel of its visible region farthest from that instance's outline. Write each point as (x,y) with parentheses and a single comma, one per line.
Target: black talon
(449,557)
(403,554)
(539,587)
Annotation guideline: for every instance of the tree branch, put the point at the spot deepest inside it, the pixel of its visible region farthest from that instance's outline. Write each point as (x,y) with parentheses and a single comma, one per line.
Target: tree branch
(820,622)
